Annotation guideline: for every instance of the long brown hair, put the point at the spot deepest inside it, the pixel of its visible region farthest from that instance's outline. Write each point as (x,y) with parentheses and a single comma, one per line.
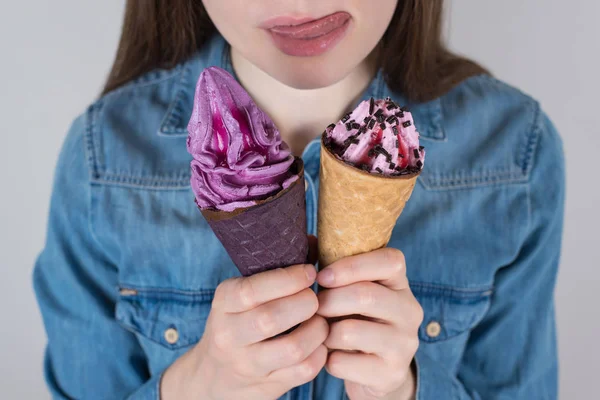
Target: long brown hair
(414,58)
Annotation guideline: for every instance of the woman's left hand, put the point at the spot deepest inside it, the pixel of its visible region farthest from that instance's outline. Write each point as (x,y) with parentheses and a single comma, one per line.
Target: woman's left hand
(372,348)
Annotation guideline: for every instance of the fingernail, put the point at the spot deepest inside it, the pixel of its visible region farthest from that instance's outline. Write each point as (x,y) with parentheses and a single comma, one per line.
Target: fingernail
(311,272)
(326,277)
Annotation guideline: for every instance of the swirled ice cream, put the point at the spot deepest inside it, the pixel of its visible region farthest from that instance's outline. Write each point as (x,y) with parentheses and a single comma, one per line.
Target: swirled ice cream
(239,156)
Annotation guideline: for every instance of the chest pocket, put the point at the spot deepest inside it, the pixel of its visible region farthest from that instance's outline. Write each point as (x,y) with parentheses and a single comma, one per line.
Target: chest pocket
(166,322)
(449,316)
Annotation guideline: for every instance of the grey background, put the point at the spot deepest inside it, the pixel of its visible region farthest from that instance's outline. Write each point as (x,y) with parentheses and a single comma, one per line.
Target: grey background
(56,54)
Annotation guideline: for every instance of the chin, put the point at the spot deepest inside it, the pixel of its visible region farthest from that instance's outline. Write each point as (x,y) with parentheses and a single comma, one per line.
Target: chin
(306,74)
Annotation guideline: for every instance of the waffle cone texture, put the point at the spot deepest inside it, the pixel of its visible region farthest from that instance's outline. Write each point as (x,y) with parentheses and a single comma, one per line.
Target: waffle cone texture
(268,235)
(357,210)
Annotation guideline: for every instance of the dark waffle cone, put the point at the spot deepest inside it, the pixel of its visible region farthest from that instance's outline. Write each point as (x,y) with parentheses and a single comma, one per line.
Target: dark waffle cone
(271,234)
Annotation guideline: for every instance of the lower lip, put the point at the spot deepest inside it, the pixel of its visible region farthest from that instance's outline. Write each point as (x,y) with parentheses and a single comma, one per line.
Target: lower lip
(294,44)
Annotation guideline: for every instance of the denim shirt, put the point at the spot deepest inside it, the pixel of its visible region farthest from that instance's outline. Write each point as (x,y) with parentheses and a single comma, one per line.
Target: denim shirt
(130,266)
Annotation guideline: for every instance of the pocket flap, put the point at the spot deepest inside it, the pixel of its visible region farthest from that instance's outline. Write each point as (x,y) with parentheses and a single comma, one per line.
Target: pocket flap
(449,311)
(173,319)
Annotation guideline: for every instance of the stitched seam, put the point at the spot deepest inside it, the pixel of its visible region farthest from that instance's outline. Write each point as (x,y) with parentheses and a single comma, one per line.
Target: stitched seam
(456,292)
(127,177)
(101,182)
(148,336)
(92,156)
(434,184)
(532,142)
(504,172)
(167,124)
(163,290)
(139,82)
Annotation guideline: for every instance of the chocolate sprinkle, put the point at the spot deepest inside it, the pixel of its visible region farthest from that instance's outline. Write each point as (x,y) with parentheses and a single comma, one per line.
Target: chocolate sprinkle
(371,106)
(400,155)
(380,118)
(346,117)
(395,130)
(351,140)
(406,124)
(331,126)
(372,123)
(400,114)
(365,167)
(416,153)
(382,126)
(392,165)
(379,170)
(419,164)
(421,148)
(348,126)
(355,125)
(371,153)
(397,143)
(362,129)
(378,112)
(403,108)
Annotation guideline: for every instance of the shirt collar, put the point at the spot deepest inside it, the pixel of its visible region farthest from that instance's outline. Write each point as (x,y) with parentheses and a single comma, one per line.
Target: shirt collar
(428,116)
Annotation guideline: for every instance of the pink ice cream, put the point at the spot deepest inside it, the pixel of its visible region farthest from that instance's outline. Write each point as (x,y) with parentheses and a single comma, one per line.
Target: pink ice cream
(379,137)
(238,153)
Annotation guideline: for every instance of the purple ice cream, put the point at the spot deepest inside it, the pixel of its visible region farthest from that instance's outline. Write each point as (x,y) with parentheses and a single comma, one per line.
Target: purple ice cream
(239,156)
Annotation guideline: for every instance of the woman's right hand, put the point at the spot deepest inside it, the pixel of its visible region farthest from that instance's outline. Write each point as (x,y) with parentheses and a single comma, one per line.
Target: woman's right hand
(238,356)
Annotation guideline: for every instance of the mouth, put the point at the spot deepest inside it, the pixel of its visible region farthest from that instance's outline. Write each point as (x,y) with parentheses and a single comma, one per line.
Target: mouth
(306,37)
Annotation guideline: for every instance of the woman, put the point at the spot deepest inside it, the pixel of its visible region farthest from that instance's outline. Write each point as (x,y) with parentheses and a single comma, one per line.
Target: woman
(140,300)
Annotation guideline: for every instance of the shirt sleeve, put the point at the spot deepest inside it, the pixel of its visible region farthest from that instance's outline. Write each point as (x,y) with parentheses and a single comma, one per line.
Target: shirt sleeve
(512,352)
(88,355)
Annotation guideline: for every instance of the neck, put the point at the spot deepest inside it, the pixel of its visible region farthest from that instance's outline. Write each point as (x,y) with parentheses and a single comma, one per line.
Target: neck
(302,115)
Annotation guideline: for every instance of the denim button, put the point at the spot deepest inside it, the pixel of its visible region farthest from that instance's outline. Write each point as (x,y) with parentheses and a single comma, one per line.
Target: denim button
(171,335)
(433,329)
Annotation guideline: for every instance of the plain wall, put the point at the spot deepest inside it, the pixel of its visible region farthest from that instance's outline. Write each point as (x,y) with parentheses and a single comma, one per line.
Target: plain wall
(56,54)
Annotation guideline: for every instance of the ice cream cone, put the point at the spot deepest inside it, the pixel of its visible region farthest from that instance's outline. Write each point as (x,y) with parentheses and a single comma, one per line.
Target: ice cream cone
(357,209)
(270,234)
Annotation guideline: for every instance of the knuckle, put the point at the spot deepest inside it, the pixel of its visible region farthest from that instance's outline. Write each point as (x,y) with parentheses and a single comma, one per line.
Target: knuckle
(291,274)
(221,294)
(311,300)
(413,345)
(307,371)
(418,313)
(247,293)
(394,358)
(264,323)
(365,295)
(294,351)
(376,391)
(394,258)
(334,365)
(223,339)
(347,330)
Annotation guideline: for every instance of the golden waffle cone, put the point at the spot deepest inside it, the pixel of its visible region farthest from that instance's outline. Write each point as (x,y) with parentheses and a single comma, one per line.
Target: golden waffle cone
(357,209)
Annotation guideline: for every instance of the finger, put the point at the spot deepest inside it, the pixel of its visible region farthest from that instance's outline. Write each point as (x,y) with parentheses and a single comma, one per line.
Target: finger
(386,266)
(303,372)
(365,336)
(313,249)
(272,318)
(364,369)
(242,294)
(291,349)
(365,298)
